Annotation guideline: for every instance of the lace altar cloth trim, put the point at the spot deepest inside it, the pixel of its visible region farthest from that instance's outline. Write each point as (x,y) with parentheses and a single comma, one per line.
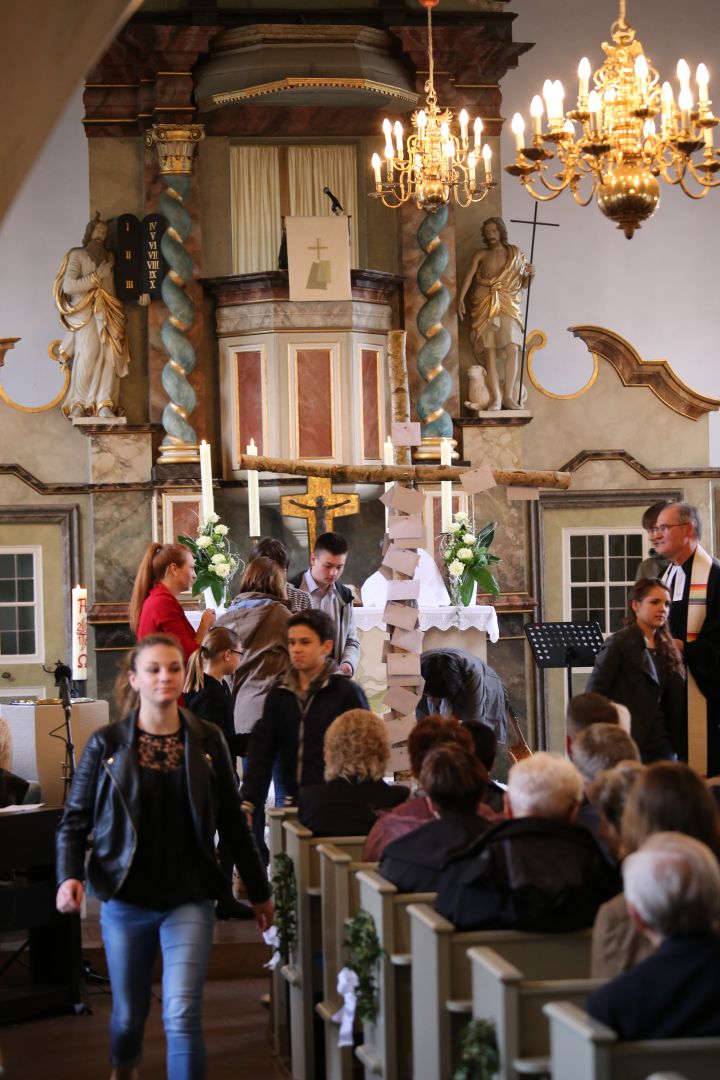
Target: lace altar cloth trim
(479,617)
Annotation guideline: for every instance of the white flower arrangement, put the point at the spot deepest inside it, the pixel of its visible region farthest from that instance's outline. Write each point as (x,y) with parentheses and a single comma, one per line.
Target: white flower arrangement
(467,558)
(215,562)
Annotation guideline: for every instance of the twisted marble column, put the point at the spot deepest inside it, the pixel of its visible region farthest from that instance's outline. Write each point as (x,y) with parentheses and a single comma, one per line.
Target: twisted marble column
(176,145)
(436,422)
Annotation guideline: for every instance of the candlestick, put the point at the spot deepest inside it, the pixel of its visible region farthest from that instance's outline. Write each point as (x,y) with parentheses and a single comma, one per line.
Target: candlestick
(79,633)
(253,494)
(208,503)
(445,487)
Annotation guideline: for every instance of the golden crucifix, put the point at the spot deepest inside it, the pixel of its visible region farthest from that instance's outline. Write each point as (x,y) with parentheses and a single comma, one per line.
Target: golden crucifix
(320,506)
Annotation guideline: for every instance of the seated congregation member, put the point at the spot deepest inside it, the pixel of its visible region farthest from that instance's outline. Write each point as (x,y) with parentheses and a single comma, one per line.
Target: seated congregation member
(268,547)
(298,710)
(582,711)
(641,668)
(357,752)
(152,789)
(453,781)
(537,871)
(666,797)
(428,733)
(672,889)
(597,748)
(608,793)
(166,571)
(462,685)
(485,750)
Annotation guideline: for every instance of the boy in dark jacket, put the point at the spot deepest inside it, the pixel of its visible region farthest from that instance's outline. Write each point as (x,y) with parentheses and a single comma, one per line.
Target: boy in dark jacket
(298,711)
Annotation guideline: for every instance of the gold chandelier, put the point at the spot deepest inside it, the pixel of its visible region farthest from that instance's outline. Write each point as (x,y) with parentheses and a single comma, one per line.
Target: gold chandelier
(618,148)
(436,160)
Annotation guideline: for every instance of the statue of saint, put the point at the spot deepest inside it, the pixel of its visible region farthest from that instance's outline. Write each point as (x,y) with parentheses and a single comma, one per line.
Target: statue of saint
(95,343)
(498,273)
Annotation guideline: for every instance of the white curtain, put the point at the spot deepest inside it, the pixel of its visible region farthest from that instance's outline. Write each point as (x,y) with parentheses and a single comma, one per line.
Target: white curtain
(255,208)
(312,168)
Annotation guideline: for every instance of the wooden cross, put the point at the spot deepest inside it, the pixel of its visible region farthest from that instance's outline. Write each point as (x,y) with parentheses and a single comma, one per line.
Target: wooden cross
(320,506)
(317,247)
(534,223)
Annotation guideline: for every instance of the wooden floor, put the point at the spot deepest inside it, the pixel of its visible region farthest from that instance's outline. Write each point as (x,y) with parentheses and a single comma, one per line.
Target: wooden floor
(64,1047)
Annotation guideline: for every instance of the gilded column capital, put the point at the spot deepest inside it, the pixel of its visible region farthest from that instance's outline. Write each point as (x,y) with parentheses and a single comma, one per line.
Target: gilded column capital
(175,145)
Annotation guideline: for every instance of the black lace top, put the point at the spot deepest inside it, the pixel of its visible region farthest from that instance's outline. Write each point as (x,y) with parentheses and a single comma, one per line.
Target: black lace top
(167,869)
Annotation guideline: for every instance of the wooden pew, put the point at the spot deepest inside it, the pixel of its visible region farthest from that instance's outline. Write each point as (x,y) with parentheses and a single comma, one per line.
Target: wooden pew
(441,985)
(502,993)
(386,1050)
(302,977)
(340,896)
(582,1047)
(279,1005)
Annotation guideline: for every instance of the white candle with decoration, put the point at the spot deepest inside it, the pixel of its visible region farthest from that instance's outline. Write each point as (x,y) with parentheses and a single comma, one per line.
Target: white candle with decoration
(79,633)
(253,494)
(388,459)
(208,502)
(446,487)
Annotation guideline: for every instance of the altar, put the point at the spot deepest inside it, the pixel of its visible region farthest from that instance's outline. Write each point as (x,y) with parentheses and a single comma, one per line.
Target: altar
(448,627)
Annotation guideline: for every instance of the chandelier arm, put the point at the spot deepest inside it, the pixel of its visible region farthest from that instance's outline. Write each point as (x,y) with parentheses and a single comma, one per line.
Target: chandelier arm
(536,194)
(695,194)
(581,200)
(552,187)
(696,171)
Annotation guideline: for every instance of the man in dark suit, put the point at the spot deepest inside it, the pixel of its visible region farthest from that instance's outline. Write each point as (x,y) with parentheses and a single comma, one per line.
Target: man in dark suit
(322,582)
(672,889)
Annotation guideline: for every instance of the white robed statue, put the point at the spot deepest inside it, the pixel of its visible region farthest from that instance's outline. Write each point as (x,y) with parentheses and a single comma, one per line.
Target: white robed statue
(96,342)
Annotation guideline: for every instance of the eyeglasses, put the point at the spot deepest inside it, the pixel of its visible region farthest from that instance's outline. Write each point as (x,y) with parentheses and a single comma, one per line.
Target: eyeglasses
(665,529)
(238,652)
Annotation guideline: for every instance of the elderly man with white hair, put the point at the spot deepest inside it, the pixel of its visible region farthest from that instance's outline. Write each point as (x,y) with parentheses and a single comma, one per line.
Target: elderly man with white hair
(672,890)
(536,871)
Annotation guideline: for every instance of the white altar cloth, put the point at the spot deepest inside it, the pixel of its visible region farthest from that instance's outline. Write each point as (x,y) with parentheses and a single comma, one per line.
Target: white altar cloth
(477,617)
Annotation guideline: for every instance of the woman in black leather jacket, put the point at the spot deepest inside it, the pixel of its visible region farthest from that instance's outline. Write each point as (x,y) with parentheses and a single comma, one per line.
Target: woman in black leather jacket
(153,788)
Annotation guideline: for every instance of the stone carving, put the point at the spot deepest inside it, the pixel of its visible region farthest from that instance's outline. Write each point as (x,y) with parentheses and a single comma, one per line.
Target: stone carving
(497,275)
(478,392)
(96,342)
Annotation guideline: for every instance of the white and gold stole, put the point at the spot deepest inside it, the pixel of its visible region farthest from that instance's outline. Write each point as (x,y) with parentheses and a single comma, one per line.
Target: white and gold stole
(697,705)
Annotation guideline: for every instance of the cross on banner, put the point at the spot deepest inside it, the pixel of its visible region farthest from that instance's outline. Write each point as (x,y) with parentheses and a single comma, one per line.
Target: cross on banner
(534,223)
(319,507)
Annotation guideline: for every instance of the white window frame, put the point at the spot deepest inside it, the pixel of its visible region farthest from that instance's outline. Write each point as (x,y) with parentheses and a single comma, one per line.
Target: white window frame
(38,657)
(595,530)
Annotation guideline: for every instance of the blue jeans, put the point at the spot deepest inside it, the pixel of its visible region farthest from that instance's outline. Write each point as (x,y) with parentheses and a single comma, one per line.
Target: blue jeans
(131,935)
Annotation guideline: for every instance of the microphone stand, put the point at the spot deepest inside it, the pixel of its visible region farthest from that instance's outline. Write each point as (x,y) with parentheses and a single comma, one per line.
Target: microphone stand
(62,675)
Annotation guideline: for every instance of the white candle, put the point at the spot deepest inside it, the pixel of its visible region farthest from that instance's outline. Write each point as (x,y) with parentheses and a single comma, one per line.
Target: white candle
(388,459)
(536,111)
(641,76)
(446,487)
(518,130)
(376,170)
(208,504)
(703,80)
(487,160)
(79,633)
(253,494)
(584,71)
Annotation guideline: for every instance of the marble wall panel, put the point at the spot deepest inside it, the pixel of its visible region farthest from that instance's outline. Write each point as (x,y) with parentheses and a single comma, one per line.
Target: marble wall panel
(278,315)
(122,525)
(314,396)
(118,459)
(249,377)
(370,360)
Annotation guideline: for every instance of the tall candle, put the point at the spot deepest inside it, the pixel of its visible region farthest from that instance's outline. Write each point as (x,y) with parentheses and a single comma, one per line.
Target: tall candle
(79,633)
(208,503)
(388,459)
(446,487)
(253,494)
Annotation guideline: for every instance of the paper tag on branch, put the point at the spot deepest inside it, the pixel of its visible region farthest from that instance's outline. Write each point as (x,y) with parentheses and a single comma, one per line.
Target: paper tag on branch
(405,433)
(522,494)
(404,562)
(403,590)
(400,699)
(479,479)
(403,500)
(410,640)
(401,525)
(403,663)
(399,615)
(398,730)
(399,759)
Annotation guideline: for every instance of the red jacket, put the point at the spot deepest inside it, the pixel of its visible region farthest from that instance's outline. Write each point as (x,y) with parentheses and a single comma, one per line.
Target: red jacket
(162,614)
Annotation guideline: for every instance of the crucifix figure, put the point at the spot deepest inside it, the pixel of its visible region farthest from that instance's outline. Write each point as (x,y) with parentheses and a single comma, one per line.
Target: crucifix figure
(319,507)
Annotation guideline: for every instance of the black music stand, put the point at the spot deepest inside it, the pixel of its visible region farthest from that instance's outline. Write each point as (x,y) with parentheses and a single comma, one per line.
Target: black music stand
(565,645)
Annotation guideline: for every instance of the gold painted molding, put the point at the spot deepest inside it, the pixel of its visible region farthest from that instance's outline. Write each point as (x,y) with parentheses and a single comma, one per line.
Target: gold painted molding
(538,340)
(307,83)
(655,375)
(54,354)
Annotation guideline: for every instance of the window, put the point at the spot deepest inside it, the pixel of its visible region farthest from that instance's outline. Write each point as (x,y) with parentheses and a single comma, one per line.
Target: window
(21,605)
(599,567)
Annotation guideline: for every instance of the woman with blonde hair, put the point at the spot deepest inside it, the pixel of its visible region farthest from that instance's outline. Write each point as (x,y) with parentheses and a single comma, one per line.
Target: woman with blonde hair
(166,571)
(356,751)
(206,692)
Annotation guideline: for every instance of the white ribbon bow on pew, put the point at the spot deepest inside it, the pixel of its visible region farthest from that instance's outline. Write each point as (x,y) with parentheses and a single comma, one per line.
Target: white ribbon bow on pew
(347,983)
(272,938)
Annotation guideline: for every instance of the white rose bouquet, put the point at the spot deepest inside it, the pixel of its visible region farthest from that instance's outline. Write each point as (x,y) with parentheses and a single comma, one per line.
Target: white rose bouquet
(215,562)
(468,559)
